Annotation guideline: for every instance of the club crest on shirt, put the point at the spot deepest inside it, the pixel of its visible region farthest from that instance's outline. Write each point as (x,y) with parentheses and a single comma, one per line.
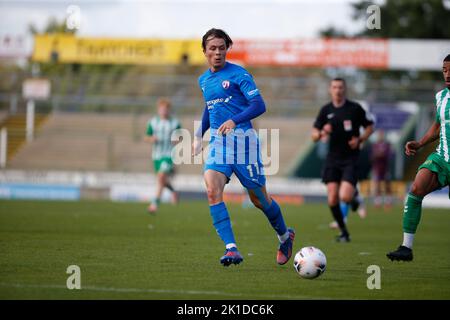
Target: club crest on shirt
(348,125)
(225,84)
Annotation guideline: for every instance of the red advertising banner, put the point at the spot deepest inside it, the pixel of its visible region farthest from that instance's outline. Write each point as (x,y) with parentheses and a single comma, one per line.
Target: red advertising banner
(362,53)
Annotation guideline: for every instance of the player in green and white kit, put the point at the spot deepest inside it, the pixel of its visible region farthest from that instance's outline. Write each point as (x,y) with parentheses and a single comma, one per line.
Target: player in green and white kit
(433,174)
(159,131)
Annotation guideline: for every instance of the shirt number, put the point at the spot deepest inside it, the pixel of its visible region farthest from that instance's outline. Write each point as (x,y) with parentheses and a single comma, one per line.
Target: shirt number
(250,169)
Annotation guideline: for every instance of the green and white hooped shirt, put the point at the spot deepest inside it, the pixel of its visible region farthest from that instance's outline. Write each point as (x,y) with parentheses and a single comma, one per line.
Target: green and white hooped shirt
(443,117)
(162,129)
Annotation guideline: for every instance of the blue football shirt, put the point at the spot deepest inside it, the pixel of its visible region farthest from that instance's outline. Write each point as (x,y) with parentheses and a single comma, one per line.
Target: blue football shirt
(227,92)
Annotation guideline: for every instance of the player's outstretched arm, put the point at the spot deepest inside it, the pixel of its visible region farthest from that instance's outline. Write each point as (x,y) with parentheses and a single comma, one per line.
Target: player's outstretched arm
(205,124)
(431,135)
(197,144)
(150,134)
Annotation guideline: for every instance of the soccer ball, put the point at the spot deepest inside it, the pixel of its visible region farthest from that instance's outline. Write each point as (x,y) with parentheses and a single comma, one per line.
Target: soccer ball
(310,262)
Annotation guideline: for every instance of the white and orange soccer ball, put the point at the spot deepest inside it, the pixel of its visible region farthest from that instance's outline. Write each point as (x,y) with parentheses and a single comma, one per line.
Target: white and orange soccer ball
(310,262)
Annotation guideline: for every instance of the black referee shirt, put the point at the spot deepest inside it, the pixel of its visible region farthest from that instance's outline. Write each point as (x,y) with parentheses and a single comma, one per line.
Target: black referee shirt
(346,122)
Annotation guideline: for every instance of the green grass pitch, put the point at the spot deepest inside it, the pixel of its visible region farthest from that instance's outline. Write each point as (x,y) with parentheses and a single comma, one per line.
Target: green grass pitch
(125,253)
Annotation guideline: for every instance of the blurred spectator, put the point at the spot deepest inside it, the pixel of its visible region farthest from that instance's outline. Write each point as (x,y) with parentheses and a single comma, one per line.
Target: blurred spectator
(381,154)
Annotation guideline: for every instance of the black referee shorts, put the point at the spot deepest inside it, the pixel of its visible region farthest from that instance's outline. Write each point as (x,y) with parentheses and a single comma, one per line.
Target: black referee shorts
(337,170)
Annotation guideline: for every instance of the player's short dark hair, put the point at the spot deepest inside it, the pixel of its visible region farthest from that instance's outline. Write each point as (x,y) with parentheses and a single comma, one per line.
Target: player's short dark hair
(447,58)
(216,33)
(340,79)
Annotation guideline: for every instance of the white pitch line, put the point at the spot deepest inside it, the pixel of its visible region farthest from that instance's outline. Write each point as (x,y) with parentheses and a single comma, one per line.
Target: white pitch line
(137,290)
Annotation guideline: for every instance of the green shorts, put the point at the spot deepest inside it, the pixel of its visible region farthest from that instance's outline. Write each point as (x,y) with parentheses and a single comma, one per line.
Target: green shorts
(438,165)
(163,165)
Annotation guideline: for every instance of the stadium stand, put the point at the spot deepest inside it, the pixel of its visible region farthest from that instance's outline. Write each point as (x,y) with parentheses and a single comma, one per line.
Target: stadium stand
(16,126)
(3,115)
(99,113)
(114,142)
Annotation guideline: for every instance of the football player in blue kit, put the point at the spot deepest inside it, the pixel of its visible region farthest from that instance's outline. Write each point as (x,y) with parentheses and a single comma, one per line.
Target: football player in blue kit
(231,101)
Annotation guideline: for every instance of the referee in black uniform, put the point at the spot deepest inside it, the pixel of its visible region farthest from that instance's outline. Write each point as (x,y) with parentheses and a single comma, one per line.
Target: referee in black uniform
(341,120)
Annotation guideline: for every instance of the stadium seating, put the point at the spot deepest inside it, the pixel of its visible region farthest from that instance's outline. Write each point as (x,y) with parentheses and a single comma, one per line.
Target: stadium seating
(114,142)
(16,128)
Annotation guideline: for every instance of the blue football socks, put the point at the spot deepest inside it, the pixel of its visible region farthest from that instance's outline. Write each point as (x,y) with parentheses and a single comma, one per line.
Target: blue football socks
(273,213)
(222,223)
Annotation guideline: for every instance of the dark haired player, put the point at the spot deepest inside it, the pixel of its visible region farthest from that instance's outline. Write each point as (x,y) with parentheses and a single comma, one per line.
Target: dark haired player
(433,174)
(341,119)
(231,101)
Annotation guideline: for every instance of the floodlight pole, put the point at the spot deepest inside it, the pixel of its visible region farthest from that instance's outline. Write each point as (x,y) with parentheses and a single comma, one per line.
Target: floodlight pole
(30,120)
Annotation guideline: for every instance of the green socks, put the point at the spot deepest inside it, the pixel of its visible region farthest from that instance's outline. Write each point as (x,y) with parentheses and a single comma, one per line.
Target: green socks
(412,213)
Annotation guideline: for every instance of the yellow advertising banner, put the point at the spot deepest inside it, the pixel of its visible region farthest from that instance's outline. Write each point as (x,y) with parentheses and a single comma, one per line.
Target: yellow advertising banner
(65,48)
(319,53)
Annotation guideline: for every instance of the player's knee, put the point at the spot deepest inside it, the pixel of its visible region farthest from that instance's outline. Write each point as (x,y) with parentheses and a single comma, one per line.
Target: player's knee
(333,200)
(418,190)
(214,194)
(346,198)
